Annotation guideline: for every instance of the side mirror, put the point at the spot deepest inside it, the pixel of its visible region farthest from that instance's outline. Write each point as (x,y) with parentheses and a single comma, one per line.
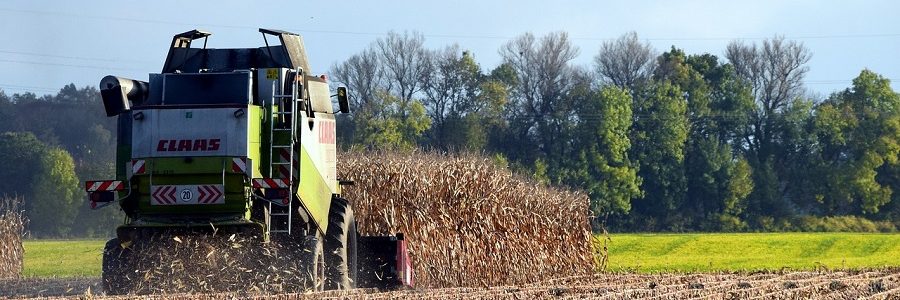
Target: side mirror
(342,100)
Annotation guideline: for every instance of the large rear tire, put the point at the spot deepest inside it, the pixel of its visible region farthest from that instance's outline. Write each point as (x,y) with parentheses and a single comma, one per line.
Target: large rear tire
(115,277)
(340,247)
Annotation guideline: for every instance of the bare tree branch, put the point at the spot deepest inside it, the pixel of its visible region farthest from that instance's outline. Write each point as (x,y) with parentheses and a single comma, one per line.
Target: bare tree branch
(625,62)
(545,79)
(405,62)
(362,74)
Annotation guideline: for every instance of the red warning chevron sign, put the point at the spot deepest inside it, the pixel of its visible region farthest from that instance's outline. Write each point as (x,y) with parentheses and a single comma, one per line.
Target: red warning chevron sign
(209,194)
(187,194)
(163,195)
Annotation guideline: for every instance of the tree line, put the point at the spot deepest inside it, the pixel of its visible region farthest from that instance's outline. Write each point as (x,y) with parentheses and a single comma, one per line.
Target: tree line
(48,145)
(661,141)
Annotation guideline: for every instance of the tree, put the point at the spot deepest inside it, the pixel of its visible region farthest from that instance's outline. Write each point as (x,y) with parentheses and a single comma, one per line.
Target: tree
(716,183)
(383,81)
(450,95)
(362,75)
(859,129)
(625,62)
(56,195)
(660,134)
(603,167)
(405,62)
(775,71)
(6,112)
(20,154)
(540,111)
(45,177)
(389,128)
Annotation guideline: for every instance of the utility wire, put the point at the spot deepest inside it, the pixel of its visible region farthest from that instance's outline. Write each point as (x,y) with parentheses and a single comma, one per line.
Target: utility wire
(73,57)
(27,88)
(467,36)
(68,65)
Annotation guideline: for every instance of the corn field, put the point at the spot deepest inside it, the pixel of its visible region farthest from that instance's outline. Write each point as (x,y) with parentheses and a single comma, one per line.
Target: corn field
(468,222)
(12,226)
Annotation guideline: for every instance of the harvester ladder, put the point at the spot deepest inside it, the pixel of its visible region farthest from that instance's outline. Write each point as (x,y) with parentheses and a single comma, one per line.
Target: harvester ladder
(282,120)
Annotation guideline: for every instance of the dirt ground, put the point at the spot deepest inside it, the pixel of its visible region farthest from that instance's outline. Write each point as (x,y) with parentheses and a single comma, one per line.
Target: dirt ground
(871,284)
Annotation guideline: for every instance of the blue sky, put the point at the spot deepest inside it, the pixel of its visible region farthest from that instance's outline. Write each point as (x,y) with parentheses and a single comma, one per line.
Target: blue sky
(47,44)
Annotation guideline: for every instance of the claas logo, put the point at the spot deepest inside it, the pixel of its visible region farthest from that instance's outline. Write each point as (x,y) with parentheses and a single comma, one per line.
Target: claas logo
(189,145)
(326,132)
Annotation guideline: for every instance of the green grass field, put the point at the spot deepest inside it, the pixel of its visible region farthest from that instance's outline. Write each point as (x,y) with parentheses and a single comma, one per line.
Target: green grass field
(63,258)
(645,253)
(751,251)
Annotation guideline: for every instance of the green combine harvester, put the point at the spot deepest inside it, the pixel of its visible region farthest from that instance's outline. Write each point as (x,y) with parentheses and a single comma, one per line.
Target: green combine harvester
(238,141)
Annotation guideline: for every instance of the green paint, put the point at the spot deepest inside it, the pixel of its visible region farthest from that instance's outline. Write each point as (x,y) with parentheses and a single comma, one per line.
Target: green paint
(254,139)
(235,196)
(313,191)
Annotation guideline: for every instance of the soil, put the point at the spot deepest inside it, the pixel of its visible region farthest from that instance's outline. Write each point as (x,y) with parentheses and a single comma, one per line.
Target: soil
(863,284)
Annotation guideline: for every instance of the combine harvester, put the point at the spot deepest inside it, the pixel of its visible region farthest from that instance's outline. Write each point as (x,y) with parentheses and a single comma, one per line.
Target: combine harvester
(238,141)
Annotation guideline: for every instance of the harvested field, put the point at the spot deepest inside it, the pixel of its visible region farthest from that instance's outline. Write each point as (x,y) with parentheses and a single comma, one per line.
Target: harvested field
(869,284)
(12,226)
(469,223)
(203,263)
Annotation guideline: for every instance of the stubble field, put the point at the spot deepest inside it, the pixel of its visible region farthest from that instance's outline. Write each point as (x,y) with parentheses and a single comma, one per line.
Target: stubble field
(863,284)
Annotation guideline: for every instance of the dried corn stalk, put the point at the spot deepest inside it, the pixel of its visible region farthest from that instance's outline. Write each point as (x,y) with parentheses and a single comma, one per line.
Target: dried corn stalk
(12,226)
(467,221)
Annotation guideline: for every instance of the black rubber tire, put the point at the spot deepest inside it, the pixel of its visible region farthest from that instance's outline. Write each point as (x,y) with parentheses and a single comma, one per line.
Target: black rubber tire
(340,247)
(114,278)
(312,262)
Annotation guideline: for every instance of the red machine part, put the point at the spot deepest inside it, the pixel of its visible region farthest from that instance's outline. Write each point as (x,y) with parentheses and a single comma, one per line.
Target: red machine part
(384,263)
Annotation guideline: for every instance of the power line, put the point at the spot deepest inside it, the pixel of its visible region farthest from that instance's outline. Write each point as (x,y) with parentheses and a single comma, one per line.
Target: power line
(67,65)
(72,57)
(467,36)
(838,81)
(799,37)
(27,89)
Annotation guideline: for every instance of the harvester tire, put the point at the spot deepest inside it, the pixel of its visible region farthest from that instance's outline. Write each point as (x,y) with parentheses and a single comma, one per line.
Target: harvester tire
(115,277)
(340,247)
(313,260)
